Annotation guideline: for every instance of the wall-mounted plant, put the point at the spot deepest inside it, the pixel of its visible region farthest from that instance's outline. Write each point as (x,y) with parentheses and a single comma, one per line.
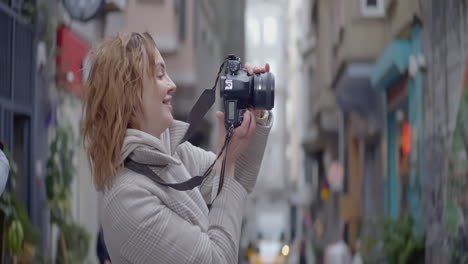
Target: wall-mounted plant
(19,235)
(401,244)
(73,241)
(396,240)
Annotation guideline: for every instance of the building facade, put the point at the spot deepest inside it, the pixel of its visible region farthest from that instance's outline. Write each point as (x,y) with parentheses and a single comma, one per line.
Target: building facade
(313,117)
(361,108)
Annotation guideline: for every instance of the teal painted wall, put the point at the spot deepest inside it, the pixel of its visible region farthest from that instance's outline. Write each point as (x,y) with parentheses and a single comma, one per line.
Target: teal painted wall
(415,105)
(415,118)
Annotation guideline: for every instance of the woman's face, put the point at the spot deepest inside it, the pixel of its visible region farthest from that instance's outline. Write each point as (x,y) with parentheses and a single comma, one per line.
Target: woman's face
(157,97)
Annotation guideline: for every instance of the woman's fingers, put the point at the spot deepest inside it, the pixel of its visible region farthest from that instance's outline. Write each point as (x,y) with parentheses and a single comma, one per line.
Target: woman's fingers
(220,116)
(221,127)
(253,125)
(243,129)
(249,68)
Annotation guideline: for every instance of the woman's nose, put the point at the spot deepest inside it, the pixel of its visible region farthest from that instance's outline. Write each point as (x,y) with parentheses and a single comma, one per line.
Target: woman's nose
(172,87)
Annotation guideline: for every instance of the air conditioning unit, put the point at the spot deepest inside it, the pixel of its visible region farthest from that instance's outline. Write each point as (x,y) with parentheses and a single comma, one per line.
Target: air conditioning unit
(115,5)
(373,8)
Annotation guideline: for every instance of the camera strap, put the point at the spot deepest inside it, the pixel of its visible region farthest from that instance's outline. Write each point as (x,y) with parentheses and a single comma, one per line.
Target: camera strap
(148,172)
(199,110)
(203,105)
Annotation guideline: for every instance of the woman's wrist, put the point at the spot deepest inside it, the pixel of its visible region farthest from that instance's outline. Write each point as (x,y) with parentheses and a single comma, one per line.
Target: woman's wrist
(228,169)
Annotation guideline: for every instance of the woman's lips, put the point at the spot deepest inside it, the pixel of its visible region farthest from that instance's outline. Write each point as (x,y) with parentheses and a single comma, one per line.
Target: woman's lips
(167,100)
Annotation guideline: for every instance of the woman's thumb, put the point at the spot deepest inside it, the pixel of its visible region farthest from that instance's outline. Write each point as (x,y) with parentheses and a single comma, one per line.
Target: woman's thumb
(221,127)
(220,116)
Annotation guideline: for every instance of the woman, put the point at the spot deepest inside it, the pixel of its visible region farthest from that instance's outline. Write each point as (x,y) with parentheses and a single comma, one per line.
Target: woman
(128,116)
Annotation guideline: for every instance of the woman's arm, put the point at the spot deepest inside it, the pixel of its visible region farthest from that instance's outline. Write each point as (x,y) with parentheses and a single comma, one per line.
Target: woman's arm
(248,164)
(139,229)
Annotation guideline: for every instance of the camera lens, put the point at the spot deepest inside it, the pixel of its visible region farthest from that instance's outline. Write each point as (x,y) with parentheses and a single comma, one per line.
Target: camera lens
(264,91)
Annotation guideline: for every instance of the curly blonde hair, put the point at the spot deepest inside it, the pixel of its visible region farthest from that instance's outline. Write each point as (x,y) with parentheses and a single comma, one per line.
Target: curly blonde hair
(113,99)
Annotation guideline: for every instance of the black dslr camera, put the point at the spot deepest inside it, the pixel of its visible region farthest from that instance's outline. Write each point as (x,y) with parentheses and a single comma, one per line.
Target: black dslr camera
(241,91)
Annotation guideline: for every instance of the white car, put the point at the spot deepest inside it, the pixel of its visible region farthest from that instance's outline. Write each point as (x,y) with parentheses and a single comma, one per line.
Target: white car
(272,252)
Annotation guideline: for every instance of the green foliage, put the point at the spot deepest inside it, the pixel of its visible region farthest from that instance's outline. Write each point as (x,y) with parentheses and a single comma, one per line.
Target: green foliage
(15,236)
(458,244)
(31,233)
(371,247)
(400,243)
(318,253)
(77,244)
(17,224)
(28,10)
(59,177)
(73,242)
(457,188)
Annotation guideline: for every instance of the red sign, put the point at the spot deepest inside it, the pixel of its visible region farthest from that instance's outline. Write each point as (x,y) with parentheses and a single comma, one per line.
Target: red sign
(406,138)
(71,54)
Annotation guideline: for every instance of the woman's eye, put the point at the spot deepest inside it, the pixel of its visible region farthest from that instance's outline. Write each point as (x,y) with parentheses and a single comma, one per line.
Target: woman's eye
(161,75)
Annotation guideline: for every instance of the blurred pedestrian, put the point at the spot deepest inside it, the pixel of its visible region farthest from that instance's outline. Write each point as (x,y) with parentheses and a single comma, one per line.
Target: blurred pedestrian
(128,118)
(4,169)
(338,253)
(302,252)
(357,258)
(101,249)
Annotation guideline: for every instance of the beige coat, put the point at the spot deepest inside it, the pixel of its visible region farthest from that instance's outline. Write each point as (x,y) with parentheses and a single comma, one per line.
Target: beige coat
(144,222)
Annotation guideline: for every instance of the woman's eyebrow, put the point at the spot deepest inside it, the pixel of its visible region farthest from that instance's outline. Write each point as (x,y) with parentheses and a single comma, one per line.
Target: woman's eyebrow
(161,65)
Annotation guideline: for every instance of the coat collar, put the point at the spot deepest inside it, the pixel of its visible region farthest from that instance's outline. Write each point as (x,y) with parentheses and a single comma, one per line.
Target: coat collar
(147,149)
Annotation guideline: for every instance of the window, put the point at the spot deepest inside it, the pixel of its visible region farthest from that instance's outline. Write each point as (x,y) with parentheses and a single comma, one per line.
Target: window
(311,168)
(253,31)
(270,30)
(21,155)
(181,11)
(373,8)
(372,3)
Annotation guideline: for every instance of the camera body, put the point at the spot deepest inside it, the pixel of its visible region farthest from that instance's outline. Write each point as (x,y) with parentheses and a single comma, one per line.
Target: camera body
(241,91)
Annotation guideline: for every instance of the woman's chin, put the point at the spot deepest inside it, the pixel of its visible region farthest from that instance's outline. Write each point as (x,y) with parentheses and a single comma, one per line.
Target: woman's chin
(169,119)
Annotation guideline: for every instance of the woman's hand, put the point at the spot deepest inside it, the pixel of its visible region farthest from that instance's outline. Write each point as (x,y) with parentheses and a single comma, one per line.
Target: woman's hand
(242,134)
(239,141)
(252,70)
